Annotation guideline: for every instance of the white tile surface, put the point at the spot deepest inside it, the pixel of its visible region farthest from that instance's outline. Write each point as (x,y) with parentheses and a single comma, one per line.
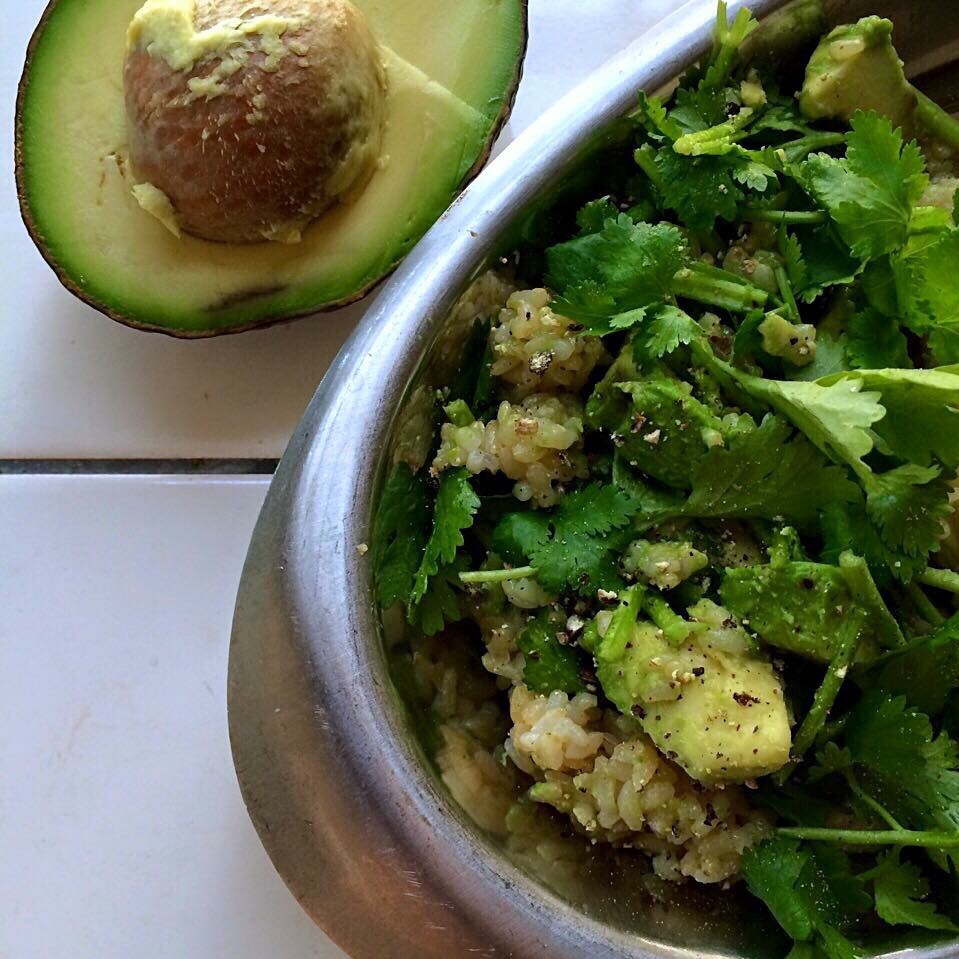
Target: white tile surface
(122,831)
(74,384)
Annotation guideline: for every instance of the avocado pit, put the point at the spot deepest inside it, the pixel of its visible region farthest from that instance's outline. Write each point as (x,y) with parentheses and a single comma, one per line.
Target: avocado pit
(246,121)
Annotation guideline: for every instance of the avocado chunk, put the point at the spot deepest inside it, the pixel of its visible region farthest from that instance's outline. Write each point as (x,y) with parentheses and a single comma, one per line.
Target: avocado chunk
(663,563)
(607,404)
(800,606)
(446,92)
(662,430)
(793,342)
(713,704)
(855,67)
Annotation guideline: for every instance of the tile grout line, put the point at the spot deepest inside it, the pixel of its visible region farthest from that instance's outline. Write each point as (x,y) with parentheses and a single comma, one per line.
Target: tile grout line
(138,466)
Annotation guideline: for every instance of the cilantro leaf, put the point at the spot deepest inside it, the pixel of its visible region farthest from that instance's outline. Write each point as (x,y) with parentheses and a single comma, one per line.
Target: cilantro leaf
(846,526)
(753,174)
(572,547)
(766,472)
(874,341)
(906,413)
(830,759)
(910,414)
(518,534)
(900,888)
(912,772)
(921,422)
(591,217)
(440,602)
(810,890)
(908,504)
(399,536)
(652,114)
(835,414)
(667,329)
(926,671)
(697,108)
(791,251)
(869,194)
(826,261)
(796,804)
(548,664)
(772,872)
(928,285)
(652,504)
(456,505)
(699,189)
(625,267)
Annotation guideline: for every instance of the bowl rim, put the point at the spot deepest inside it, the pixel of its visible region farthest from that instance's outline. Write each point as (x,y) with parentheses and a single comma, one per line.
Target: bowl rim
(340,797)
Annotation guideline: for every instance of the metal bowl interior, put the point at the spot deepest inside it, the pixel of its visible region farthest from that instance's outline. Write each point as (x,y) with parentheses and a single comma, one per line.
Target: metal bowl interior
(346,804)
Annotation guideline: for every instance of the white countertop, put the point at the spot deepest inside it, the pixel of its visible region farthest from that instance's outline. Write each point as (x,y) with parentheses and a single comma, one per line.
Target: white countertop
(73,383)
(122,832)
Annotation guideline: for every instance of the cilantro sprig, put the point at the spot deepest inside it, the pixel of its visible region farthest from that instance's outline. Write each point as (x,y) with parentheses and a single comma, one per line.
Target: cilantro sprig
(608,278)
(871,193)
(571,547)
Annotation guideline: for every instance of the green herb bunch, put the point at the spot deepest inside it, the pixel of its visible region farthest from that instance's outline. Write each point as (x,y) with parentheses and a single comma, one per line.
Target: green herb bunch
(838,463)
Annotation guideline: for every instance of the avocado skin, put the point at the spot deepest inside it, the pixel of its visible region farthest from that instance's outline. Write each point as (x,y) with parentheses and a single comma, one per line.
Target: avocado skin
(70,282)
(870,78)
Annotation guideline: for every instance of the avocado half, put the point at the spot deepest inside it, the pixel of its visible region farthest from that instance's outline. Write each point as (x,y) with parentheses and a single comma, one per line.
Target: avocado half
(452,71)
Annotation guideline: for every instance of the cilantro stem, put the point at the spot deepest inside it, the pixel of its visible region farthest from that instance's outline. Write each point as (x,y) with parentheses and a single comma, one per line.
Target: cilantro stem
(786,292)
(940,124)
(832,729)
(499,575)
(796,150)
(458,413)
(645,158)
(940,579)
(704,286)
(924,605)
(877,807)
(874,837)
(727,41)
(825,697)
(799,217)
(716,139)
(674,627)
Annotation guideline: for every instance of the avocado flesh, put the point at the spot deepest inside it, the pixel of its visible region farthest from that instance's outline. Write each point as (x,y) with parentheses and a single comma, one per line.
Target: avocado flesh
(472,49)
(856,67)
(717,712)
(800,607)
(77,199)
(663,436)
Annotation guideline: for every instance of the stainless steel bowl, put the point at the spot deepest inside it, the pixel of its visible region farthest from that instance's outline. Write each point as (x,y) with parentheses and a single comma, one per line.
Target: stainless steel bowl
(351,814)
